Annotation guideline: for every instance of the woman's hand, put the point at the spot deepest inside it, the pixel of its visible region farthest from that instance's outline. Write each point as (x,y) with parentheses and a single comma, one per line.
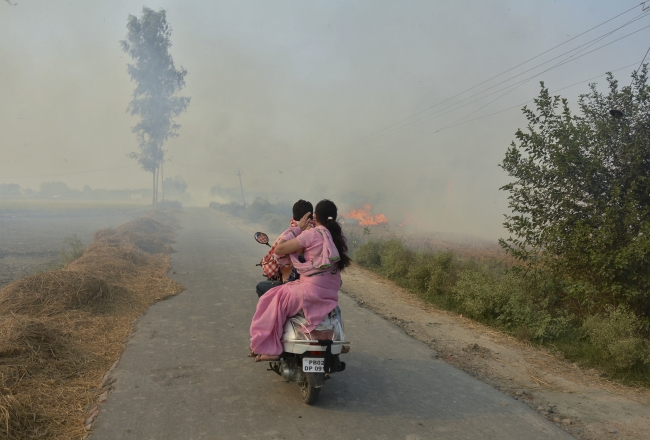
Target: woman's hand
(303,223)
(287,247)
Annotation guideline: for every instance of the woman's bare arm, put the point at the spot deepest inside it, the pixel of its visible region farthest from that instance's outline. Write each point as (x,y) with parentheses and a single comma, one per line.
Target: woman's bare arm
(287,247)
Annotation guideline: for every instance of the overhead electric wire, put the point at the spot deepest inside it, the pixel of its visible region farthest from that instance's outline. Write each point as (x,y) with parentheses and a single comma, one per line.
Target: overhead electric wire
(393,147)
(446,110)
(512,87)
(531,100)
(561,64)
(496,76)
(640,64)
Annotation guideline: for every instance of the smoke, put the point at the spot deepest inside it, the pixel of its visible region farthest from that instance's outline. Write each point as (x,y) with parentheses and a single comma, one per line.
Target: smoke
(289,93)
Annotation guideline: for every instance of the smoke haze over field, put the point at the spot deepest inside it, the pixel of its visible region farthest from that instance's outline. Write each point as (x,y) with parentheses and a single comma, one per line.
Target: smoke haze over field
(284,90)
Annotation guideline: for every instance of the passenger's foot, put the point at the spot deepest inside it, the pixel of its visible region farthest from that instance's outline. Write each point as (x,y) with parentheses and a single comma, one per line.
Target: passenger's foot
(251,354)
(345,349)
(266,358)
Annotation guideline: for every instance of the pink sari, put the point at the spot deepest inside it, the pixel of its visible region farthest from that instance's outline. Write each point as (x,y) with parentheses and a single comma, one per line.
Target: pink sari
(315,293)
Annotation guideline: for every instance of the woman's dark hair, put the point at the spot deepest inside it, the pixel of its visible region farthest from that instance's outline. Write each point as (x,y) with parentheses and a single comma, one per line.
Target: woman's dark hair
(326,212)
(300,208)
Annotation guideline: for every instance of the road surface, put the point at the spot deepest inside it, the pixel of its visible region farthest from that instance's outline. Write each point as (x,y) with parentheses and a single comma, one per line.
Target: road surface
(185,373)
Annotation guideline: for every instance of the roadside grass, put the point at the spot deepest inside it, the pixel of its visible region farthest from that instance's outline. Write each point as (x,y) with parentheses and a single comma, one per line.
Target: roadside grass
(523,304)
(61,330)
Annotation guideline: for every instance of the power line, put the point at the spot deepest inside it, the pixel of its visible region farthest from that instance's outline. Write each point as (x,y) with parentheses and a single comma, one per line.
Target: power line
(393,147)
(643,14)
(529,101)
(512,87)
(557,65)
(573,57)
(640,64)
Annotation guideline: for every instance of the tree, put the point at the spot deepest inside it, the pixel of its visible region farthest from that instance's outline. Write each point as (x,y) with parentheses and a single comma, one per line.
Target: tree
(157,83)
(580,200)
(175,186)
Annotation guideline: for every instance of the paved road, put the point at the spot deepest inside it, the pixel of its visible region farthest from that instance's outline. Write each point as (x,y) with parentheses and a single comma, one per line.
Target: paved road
(185,374)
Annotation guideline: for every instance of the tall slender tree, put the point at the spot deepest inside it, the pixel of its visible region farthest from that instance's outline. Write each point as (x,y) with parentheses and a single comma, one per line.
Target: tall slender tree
(158,81)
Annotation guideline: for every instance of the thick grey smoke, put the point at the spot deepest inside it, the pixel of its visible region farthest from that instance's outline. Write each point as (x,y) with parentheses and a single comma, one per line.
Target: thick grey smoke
(284,90)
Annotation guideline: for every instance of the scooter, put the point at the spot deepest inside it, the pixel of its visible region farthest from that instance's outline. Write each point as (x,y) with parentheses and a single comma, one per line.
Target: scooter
(309,357)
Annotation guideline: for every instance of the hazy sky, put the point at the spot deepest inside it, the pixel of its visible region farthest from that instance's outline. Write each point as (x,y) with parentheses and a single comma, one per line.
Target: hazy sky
(284,91)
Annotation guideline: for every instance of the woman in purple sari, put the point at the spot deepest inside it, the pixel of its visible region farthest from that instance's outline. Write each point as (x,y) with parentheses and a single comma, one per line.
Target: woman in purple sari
(316,292)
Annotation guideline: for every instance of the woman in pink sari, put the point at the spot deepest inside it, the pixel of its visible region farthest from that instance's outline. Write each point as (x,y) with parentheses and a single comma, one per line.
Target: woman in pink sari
(316,292)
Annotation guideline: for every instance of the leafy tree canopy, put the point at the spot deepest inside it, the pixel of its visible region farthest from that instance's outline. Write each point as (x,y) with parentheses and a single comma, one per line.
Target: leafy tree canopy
(157,82)
(580,198)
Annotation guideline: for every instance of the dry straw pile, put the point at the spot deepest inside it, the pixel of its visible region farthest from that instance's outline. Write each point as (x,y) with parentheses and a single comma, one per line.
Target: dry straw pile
(60,331)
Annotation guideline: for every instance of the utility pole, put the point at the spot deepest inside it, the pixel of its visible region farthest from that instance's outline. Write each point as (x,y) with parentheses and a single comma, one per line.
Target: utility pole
(239,173)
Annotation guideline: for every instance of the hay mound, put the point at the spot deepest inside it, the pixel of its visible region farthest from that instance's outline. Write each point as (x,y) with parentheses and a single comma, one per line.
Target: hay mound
(61,330)
(19,420)
(21,335)
(112,260)
(55,292)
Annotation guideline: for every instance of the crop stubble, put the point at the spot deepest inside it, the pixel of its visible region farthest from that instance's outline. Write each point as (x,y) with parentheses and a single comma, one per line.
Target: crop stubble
(61,330)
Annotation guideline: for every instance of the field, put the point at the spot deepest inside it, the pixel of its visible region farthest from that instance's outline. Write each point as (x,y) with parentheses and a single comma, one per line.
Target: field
(32,233)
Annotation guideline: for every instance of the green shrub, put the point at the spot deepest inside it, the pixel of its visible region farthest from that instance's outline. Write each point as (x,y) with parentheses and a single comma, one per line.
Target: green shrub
(432,274)
(532,305)
(395,260)
(368,255)
(616,335)
(476,292)
(73,248)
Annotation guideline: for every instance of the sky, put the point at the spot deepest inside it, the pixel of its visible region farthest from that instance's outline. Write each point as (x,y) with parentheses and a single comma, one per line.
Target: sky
(306,98)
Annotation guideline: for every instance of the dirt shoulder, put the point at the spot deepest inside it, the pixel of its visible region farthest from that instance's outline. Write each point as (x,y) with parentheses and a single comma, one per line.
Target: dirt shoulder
(583,403)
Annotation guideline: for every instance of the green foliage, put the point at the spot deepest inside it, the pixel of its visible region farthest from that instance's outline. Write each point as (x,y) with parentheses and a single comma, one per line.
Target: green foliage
(73,248)
(524,303)
(368,255)
(580,197)
(617,336)
(157,83)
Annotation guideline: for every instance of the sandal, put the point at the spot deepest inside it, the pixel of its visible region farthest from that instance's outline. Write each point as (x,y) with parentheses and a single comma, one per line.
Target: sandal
(266,358)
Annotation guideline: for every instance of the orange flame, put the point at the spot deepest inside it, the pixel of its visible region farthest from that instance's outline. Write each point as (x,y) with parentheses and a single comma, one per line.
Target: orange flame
(366,218)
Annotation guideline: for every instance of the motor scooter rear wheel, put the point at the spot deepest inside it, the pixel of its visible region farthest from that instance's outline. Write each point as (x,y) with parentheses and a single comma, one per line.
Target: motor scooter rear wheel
(308,394)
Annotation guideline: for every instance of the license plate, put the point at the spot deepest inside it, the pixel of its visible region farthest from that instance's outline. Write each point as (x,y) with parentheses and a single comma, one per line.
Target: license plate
(313,365)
